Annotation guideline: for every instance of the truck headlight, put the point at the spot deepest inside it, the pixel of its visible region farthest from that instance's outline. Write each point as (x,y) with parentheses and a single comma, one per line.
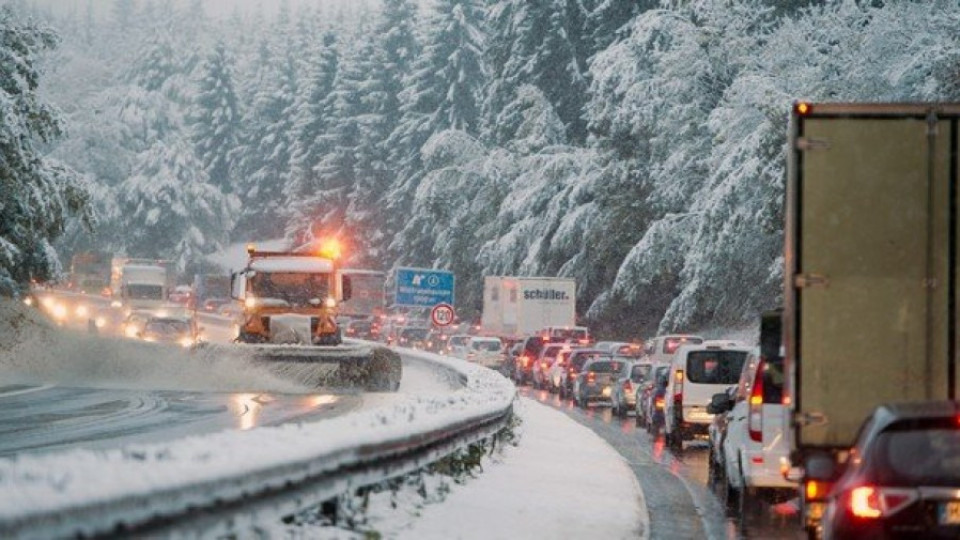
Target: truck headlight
(330,302)
(250,302)
(60,311)
(83,312)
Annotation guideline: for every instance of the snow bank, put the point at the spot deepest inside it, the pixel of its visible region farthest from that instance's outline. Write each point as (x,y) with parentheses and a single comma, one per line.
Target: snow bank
(51,483)
(32,351)
(562,481)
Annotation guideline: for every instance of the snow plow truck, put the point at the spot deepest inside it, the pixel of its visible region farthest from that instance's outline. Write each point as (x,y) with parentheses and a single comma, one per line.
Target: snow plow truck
(290,302)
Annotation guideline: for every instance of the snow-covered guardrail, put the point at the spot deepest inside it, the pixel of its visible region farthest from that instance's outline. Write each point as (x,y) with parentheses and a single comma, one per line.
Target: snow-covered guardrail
(229,481)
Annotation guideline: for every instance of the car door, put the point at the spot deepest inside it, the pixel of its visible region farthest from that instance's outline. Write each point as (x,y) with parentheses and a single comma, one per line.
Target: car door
(736,438)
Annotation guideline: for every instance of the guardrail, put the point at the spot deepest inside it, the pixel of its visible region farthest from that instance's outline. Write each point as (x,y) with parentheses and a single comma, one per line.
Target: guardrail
(197,487)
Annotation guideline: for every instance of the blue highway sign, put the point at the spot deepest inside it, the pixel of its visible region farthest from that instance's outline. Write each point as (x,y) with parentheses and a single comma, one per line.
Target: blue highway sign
(423,287)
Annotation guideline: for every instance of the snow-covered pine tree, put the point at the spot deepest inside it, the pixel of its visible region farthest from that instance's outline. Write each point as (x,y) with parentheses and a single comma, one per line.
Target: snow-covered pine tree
(542,44)
(309,147)
(215,118)
(262,159)
(36,194)
(442,92)
(169,209)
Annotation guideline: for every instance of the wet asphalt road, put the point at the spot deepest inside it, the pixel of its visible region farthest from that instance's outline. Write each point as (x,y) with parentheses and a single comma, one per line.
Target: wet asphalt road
(46,418)
(679,499)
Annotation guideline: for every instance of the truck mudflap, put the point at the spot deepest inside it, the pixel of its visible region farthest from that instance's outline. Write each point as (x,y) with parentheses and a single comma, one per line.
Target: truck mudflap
(364,367)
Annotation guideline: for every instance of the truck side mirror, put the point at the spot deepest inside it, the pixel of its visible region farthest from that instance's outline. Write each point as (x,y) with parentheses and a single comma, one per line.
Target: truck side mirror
(233,286)
(347,288)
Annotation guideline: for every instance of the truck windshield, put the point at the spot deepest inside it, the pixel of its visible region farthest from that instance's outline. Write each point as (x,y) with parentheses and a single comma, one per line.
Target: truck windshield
(145,292)
(292,287)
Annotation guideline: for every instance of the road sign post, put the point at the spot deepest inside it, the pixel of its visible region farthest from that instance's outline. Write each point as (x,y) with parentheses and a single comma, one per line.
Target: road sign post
(423,287)
(442,315)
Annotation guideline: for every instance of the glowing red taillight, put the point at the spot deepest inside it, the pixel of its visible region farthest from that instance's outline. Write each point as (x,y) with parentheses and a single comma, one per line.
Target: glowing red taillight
(755,414)
(869,502)
(865,503)
(627,386)
(658,403)
(591,377)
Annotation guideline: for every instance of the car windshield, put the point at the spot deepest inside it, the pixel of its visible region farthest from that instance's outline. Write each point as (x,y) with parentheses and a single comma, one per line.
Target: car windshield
(414,333)
(605,366)
(458,340)
(167,328)
(580,358)
(670,345)
(292,287)
(715,367)
(639,372)
(144,292)
(919,457)
(486,345)
(573,334)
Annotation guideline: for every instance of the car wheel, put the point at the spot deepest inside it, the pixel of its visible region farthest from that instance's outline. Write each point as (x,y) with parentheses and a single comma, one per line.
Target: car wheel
(675,441)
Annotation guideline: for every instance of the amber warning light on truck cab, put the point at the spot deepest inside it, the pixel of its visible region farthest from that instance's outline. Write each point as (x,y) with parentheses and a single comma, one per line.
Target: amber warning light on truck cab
(803,108)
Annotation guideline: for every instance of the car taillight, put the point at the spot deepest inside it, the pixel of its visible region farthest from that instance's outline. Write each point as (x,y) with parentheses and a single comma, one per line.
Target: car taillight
(865,502)
(678,385)
(658,402)
(755,415)
(869,502)
(627,387)
(817,490)
(591,377)
(525,361)
(544,365)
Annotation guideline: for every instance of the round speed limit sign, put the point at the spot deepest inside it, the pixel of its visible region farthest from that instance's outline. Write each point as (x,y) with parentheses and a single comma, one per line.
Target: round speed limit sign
(442,314)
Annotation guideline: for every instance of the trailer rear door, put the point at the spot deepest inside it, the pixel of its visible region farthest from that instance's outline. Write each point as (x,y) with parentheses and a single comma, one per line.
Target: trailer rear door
(869,221)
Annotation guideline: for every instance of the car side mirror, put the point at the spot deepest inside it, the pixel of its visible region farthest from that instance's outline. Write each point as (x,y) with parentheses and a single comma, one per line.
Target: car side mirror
(719,403)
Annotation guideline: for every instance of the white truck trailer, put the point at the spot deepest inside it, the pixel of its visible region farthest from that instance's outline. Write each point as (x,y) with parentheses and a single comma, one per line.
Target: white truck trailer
(514,307)
(140,283)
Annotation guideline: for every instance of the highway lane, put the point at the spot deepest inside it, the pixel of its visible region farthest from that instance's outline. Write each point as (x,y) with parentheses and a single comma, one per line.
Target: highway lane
(47,417)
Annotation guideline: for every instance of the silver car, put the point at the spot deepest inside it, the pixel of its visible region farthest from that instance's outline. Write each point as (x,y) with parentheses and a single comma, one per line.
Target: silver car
(596,380)
(634,374)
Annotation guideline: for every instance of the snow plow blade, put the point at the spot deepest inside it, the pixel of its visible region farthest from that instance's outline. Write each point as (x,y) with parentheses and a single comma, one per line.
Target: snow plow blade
(350,366)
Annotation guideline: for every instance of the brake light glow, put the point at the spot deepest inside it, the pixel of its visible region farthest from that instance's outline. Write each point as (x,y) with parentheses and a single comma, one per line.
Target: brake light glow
(627,386)
(755,414)
(591,377)
(817,489)
(678,385)
(658,403)
(865,503)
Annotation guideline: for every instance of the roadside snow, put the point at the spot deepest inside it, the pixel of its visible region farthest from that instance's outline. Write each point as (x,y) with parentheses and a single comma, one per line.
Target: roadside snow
(562,481)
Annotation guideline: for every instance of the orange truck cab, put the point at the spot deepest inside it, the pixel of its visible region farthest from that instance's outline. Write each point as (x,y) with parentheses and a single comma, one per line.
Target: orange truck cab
(290,297)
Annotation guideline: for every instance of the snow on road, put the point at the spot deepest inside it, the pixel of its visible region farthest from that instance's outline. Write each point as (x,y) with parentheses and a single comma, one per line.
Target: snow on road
(561,481)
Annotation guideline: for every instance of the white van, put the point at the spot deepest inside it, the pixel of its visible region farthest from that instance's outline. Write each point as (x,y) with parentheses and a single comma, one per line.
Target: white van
(697,372)
(660,350)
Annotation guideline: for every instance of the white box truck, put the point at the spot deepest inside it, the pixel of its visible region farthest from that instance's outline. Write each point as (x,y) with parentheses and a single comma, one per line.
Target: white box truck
(141,283)
(514,307)
(871,241)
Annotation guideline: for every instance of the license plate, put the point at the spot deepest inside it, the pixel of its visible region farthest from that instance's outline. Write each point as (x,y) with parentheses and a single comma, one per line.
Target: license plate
(950,513)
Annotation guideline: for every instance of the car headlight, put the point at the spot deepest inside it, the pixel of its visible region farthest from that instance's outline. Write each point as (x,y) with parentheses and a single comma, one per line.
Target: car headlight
(186,342)
(330,302)
(116,304)
(60,311)
(28,301)
(100,322)
(150,339)
(130,331)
